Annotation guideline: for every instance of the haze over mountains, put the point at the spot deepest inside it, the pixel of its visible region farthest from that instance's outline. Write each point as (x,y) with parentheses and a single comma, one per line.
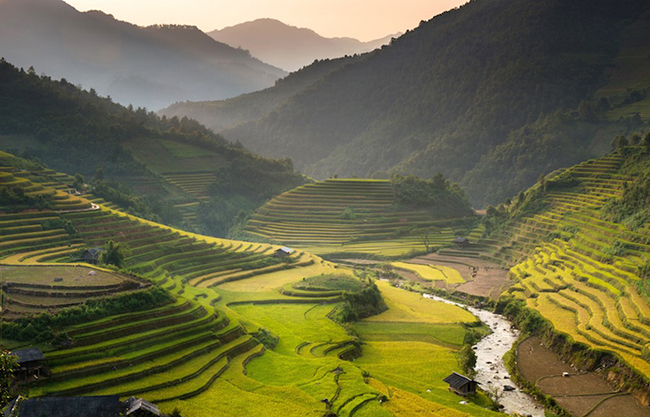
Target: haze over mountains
(492,94)
(150,67)
(290,47)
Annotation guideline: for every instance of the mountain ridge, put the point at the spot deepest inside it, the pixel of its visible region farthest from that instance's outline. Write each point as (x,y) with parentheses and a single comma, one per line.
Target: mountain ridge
(291,47)
(144,66)
(491,94)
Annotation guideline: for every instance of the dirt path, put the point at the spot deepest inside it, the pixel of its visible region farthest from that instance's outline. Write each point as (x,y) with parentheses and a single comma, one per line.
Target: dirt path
(578,393)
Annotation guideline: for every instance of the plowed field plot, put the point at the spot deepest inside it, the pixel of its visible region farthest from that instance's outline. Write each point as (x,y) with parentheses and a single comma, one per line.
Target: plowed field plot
(578,393)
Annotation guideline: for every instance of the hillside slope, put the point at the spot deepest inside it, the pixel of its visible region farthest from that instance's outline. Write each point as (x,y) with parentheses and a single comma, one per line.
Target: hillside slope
(289,47)
(77,131)
(150,67)
(362,216)
(578,244)
(227,329)
(492,95)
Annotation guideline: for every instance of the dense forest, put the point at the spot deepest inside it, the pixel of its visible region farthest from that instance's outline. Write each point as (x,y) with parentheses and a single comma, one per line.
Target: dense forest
(76,131)
(491,94)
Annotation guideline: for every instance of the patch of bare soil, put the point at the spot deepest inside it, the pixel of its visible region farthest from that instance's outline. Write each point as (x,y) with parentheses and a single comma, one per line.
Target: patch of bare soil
(484,278)
(579,392)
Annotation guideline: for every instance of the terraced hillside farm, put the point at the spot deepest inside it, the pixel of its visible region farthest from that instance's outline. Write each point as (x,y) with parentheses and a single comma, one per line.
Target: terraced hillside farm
(201,338)
(31,290)
(349,215)
(50,187)
(580,270)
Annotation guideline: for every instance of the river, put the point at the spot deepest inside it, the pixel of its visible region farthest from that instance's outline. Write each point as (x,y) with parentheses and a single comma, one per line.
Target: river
(491,372)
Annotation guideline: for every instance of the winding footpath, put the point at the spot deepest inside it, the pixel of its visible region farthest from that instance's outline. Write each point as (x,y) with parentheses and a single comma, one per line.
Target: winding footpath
(491,371)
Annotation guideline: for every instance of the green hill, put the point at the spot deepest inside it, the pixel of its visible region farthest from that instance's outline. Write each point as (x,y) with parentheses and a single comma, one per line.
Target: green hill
(213,326)
(76,131)
(578,243)
(363,216)
(491,94)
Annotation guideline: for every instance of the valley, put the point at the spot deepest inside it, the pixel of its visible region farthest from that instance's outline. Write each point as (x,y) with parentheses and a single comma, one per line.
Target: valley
(452,222)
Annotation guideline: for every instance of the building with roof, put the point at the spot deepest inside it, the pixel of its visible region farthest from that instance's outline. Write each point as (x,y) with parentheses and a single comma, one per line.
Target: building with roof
(91,255)
(460,384)
(283,252)
(461,241)
(29,363)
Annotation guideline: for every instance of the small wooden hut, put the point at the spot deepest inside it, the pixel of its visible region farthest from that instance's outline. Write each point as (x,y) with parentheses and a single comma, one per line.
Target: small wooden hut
(460,384)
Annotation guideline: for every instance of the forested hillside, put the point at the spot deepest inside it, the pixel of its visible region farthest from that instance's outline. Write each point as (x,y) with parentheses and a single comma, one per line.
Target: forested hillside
(150,67)
(491,94)
(76,131)
(226,114)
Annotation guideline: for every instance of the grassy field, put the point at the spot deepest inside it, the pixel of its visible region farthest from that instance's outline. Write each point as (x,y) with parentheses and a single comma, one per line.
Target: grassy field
(405,306)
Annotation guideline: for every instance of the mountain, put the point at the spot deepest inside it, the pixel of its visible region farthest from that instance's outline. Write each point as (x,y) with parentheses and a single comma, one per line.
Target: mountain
(171,170)
(226,114)
(492,95)
(290,47)
(150,67)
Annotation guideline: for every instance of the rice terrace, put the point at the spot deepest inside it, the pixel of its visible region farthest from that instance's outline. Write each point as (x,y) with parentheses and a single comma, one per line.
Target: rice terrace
(453,220)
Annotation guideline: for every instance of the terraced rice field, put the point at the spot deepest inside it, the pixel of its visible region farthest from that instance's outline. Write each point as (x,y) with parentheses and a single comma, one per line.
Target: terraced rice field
(35,289)
(565,267)
(199,353)
(345,215)
(194,184)
(54,187)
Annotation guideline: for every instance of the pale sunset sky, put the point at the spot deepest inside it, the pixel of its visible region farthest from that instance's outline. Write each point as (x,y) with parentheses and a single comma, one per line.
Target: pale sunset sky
(362,19)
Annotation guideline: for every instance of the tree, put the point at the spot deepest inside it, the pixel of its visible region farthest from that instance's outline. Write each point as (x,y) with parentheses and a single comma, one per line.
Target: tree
(79,181)
(99,174)
(8,365)
(114,253)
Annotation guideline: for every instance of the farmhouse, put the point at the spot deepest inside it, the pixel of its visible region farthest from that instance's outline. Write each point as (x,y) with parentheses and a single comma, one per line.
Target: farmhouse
(461,241)
(283,252)
(29,362)
(461,384)
(91,255)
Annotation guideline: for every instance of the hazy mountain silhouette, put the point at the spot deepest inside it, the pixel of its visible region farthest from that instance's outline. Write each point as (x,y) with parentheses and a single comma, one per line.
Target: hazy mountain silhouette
(150,67)
(290,47)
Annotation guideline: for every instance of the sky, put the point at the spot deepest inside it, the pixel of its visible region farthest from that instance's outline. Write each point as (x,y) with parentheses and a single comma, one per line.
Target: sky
(362,19)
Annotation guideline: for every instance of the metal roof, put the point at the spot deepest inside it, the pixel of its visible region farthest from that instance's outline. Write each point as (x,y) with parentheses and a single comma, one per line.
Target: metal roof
(456,380)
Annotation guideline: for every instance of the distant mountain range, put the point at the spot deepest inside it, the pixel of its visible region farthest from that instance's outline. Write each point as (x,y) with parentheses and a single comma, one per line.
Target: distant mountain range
(491,94)
(290,47)
(152,67)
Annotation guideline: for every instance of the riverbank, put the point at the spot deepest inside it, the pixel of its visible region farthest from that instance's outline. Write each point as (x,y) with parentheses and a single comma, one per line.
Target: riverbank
(491,371)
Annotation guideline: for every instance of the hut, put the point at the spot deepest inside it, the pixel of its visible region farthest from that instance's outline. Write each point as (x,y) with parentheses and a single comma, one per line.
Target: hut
(100,406)
(461,241)
(460,384)
(283,252)
(137,407)
(29,362)
(91,255)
